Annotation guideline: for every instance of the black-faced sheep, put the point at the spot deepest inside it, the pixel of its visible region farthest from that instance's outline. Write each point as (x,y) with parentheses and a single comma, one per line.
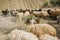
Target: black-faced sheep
(54,13)
(5,12)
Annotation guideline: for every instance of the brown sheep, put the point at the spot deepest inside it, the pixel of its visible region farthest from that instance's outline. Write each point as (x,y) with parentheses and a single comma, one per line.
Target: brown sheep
(37,20)
(41,29)
(40,13)
(54,13)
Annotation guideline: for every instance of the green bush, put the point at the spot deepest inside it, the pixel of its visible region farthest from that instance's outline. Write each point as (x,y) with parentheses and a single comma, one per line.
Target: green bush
(45,4)
(58,2)
(55,2)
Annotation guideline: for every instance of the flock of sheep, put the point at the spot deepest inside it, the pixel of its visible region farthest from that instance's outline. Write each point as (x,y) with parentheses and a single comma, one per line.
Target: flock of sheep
(35,30)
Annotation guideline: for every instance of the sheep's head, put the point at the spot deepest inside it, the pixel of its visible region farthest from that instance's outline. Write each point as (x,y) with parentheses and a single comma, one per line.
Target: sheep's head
(29,17)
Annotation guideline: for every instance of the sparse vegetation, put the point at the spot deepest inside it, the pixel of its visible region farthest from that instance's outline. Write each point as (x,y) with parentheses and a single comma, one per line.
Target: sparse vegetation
(55,2)
(58,2)
(45,4)
(30,16)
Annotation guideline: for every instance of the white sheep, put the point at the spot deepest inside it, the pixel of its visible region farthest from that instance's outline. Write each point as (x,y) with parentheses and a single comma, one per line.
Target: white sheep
(26,13)
(47,37)
(36,13)
(20,15)
(21,35)
(32,21)
(43,13)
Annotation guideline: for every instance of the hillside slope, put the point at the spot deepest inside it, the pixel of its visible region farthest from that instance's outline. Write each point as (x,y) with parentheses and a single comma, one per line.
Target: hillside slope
(24,4)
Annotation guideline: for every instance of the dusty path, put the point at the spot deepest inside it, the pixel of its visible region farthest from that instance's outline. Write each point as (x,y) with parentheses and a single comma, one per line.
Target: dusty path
(6,23)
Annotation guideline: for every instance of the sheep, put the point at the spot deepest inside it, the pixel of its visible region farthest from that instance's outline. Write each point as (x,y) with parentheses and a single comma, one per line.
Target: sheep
(40,13)
(36,13)
(37,10)
(47,37)
(21,35)
(20,10)
(54,13)
(40,10)
(13,13)
(44,13)
(32,21)
(20,15)
(17,10)
(27,21)
(40,29)
(26,13)
(37,20)
(28,10)
(5,12)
